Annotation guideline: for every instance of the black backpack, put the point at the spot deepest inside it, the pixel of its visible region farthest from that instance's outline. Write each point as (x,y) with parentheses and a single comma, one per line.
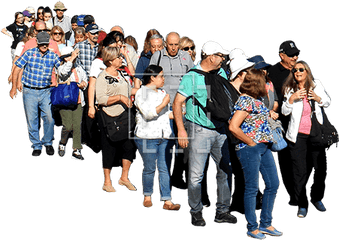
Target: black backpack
(221,97)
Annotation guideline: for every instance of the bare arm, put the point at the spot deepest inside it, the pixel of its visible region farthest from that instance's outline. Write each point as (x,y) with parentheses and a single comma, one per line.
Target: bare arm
(235,123)
(177,112)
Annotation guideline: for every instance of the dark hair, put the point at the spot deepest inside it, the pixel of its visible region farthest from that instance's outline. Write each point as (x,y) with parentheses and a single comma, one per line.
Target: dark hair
(88,19)
(48,10)
(291,83)
(151,70)
(16,15)
(37,12)
(254,83)
(74,19)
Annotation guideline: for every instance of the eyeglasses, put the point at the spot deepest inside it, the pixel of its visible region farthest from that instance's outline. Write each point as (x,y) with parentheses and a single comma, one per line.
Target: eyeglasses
(58,33)
(111,79)
(41,30)
(219,55)
(292,55)
(294,70)
(189,48)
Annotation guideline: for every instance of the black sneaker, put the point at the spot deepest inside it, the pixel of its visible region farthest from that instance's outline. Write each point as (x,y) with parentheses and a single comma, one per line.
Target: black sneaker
(36,152)
(77,154)
(198,220)
(225,217)
(61,149)
(50,150)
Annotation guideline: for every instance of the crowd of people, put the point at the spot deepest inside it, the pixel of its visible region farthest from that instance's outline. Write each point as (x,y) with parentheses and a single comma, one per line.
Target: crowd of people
(163,104)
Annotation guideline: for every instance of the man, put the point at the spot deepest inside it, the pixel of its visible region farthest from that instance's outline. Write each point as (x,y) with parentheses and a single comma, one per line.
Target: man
(204,137)
(278,73)
(157,44)
(61,20)
(88,48)
(37,64)
(175,63)
(32,43)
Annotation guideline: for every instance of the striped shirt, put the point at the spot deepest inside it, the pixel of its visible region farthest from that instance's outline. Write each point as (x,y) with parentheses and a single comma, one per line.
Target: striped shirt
(86,56)
(37,67)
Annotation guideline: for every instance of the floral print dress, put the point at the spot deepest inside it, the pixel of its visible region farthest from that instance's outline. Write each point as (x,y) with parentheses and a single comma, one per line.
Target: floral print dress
(255,124)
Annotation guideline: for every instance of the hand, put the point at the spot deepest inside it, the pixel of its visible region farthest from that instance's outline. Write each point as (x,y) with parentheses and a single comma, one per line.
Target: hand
(19,86)
(123,50)
(166,99)
(91,112)
(10,79)
(75,54)
(298,95)
(274,115)
(82,85)
(13,93)
(125,100)
(313,96)
(183,139)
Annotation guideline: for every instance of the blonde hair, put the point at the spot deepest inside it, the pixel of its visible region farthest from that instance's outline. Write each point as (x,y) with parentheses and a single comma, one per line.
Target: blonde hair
(185,42)
(58,28)
(109,54)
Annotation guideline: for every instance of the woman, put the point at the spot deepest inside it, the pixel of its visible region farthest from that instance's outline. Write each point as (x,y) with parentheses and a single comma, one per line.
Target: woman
(48,14)
(58,35)
(249,123)
(40,14)
(152,133)
(300,87)
(113,93)
(187,44)
(16,31)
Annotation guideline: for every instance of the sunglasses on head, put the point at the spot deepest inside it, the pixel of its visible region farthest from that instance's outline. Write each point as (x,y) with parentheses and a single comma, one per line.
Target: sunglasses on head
(294,70)
(188,48)
(111,79)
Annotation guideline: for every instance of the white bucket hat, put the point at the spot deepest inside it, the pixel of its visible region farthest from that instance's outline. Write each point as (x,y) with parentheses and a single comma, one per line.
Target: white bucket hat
(238,62)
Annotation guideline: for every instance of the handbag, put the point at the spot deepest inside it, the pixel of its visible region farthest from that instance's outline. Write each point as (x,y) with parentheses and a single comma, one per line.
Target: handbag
(66,93)
(279,142)
(322,135)
(117,128)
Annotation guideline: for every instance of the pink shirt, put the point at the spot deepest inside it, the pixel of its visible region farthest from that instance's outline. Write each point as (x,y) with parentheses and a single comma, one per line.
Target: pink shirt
(305,123)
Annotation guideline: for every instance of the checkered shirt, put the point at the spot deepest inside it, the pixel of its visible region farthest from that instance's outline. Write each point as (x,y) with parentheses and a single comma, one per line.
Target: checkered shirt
(37,67)
(86,56)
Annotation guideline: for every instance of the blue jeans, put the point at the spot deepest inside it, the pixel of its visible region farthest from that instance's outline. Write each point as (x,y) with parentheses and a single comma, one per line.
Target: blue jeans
(203,141)
(254,160)
(155,153)
(33,101)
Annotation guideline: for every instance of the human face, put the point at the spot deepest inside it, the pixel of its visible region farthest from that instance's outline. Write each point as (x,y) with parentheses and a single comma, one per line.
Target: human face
(117,62)
(20,19)
(60,13)
(47,16)
(172,44)
(288,62)
(300,73)
(218,59)
(93,37)
(74,26)
(43,48)
(156,45)
(57,36)
(189,48)
(79,38)
(39,27)
(41,14)
(159,80)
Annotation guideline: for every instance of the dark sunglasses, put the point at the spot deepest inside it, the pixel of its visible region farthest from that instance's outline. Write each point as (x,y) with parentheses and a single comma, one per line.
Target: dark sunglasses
(188,48)
(111,79)
(294,70)
(292,55)
(41,30)
(58,33)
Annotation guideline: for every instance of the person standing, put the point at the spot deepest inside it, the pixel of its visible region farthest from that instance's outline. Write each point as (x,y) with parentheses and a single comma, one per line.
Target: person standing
(37,64)
(61,20)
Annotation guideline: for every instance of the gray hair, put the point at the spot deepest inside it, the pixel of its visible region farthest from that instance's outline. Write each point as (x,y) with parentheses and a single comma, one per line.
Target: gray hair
(157,36)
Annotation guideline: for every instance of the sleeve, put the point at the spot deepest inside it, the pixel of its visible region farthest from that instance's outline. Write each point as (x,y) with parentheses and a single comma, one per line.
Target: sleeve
(101,90)
(244,104)
(286,108)
(321,92)
(22,61)
(186,85)
(144,105)
(64,69)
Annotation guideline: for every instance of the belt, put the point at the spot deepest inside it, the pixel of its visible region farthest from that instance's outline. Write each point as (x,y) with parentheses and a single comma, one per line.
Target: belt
(37,88)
